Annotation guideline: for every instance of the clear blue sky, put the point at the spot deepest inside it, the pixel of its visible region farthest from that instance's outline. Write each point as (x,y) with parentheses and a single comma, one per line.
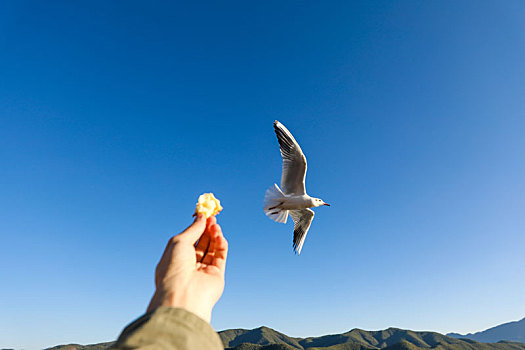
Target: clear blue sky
(115,116)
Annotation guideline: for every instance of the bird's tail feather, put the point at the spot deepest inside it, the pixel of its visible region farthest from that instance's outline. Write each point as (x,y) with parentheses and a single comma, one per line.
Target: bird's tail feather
(273,198)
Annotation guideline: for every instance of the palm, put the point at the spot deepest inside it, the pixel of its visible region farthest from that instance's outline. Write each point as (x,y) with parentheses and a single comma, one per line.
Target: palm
(192,268)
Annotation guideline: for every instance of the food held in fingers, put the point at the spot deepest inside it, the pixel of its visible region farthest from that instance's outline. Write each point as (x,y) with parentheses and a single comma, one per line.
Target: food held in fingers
(208,205)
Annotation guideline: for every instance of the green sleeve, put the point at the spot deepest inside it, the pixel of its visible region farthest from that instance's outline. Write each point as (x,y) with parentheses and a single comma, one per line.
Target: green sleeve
(169,329)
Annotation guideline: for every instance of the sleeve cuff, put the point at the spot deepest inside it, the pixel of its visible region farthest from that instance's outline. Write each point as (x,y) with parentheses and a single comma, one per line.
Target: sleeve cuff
(169,328)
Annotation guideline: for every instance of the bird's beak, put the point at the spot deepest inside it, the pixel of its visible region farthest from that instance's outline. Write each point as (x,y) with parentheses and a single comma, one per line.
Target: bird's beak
(326,204)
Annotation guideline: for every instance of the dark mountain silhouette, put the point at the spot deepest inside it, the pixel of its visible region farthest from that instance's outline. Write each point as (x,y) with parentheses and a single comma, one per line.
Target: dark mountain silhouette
(511,331)
(392,339)
(99,346)
(258,336)
(264,338)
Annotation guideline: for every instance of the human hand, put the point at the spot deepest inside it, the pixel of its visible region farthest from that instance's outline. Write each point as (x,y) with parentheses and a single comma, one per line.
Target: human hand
(190,274)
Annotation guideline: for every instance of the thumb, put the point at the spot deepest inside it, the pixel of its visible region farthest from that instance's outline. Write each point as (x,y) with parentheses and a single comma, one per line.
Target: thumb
(195,230)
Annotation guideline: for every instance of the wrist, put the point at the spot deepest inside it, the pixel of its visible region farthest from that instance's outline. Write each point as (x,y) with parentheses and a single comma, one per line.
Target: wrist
(178,300)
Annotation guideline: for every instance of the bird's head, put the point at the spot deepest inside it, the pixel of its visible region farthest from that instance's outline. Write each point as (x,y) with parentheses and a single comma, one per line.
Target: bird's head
(318,202)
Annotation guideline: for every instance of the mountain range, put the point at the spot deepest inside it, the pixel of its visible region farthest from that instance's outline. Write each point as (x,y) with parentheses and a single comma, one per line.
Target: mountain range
(511,331)
(265,338)
(503,337)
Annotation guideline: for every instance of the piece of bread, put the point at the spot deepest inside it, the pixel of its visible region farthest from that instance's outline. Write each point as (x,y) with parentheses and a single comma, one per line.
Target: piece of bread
(208,205)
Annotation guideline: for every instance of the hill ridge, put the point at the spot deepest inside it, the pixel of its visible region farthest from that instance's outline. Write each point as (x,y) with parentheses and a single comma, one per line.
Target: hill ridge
(265,338)
(513,331)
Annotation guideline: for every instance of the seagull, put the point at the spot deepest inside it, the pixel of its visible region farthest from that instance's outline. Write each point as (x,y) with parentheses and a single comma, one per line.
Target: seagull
(292,199)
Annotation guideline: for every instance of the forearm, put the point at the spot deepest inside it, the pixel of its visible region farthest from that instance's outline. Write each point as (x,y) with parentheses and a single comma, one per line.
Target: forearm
(170,329)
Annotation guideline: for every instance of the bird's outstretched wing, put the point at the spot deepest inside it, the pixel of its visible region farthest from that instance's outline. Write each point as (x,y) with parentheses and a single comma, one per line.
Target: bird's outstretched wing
(302,219)
(294,162)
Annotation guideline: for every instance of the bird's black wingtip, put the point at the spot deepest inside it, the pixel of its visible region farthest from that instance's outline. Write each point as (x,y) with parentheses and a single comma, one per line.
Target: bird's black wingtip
(276,122)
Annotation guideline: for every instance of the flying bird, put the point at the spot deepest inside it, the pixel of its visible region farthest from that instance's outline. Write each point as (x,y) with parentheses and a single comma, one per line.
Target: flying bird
(291,198)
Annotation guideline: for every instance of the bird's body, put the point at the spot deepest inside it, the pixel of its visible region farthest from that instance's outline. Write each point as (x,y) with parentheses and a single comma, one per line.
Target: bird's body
(292,199)
(295,202)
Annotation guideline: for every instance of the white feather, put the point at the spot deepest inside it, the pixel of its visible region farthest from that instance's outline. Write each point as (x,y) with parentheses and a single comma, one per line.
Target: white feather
(273,199)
